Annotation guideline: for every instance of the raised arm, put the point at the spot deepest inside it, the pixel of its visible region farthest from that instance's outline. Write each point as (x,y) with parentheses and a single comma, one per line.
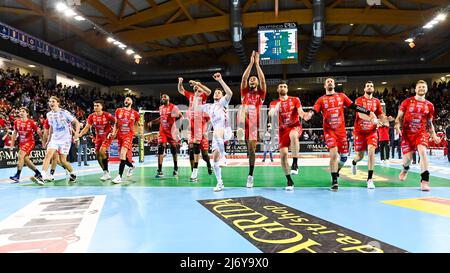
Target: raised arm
(248,70)
(261,77)
(180,86)
(203,88)
(226,88)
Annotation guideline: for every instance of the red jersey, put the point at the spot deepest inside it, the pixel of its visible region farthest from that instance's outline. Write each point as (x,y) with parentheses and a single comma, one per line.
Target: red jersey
(2,123)
(374,105)
(191,97)
(332,108)
(25,130)
(383,133)
(125,121)
(288,115)
(416,114)
(168,115)
(102,123)
(252,98)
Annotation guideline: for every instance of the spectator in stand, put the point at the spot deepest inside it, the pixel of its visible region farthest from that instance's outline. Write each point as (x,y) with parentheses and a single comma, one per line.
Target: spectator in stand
(383,136)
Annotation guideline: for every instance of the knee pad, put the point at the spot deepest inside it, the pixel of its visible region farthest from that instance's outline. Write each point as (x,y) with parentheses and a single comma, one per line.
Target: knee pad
(343,158)
(173,150)
(161,149)
(196,148)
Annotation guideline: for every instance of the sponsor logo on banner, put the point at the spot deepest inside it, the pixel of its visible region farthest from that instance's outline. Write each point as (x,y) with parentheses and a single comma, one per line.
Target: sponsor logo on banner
(275,227)
(312,147)
(52,225)
(8,158)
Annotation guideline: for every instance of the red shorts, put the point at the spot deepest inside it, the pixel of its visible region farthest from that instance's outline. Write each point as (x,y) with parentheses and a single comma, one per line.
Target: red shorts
(27,147)
(199,134)
(362,140)
(165,137)
(284,139)
(337,139)
(126,141)
(204,143)
(102,142)
(251,128)
(410,141)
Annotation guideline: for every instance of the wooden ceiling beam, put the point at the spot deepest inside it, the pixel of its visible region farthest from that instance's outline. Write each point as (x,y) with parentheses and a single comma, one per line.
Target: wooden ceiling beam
(251,20)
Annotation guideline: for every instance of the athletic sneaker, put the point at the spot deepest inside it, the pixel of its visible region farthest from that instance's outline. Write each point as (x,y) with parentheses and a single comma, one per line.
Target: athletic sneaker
(334,187)
(425,185)
(250,181)
(289,188)
(15,178)
(294,170)
(117,180)
(353,169)
(130,171)
(402,176)
(105,176)
(48,177)
(38,180)
(194,176)
(73,178)
(219,187)
(159,174)
(370,184)
(175,173)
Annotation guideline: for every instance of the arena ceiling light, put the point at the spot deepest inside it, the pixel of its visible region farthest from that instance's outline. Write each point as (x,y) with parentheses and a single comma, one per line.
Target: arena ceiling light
(69,12)
(383,82)
(61,6)
(110,40)
(79,18)
(31,65)
(130,51)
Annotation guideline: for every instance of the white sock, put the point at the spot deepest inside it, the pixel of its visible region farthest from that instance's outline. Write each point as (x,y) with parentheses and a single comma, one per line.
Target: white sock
(194,172)
(218,171)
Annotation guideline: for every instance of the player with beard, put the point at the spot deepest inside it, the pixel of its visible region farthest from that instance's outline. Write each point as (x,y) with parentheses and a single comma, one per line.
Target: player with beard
(253,93)
(102,122)
(168,133)
(25,128)
(288,110)
(365,133)
(198,122)
(126,118)
(415,117)
(331,105)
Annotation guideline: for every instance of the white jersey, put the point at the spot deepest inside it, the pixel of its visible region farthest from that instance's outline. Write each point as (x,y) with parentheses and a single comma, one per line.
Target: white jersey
(218,113)
(60,122)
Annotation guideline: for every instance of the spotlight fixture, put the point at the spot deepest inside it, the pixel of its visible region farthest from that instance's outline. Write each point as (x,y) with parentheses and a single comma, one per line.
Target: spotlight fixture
(412,45)
(409,40)
(110,40)
(129,51)
(61,6)
(79,18)
(69,13)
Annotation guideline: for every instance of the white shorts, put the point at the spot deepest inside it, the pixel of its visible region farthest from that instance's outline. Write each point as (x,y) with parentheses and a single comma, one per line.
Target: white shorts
(62,146)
